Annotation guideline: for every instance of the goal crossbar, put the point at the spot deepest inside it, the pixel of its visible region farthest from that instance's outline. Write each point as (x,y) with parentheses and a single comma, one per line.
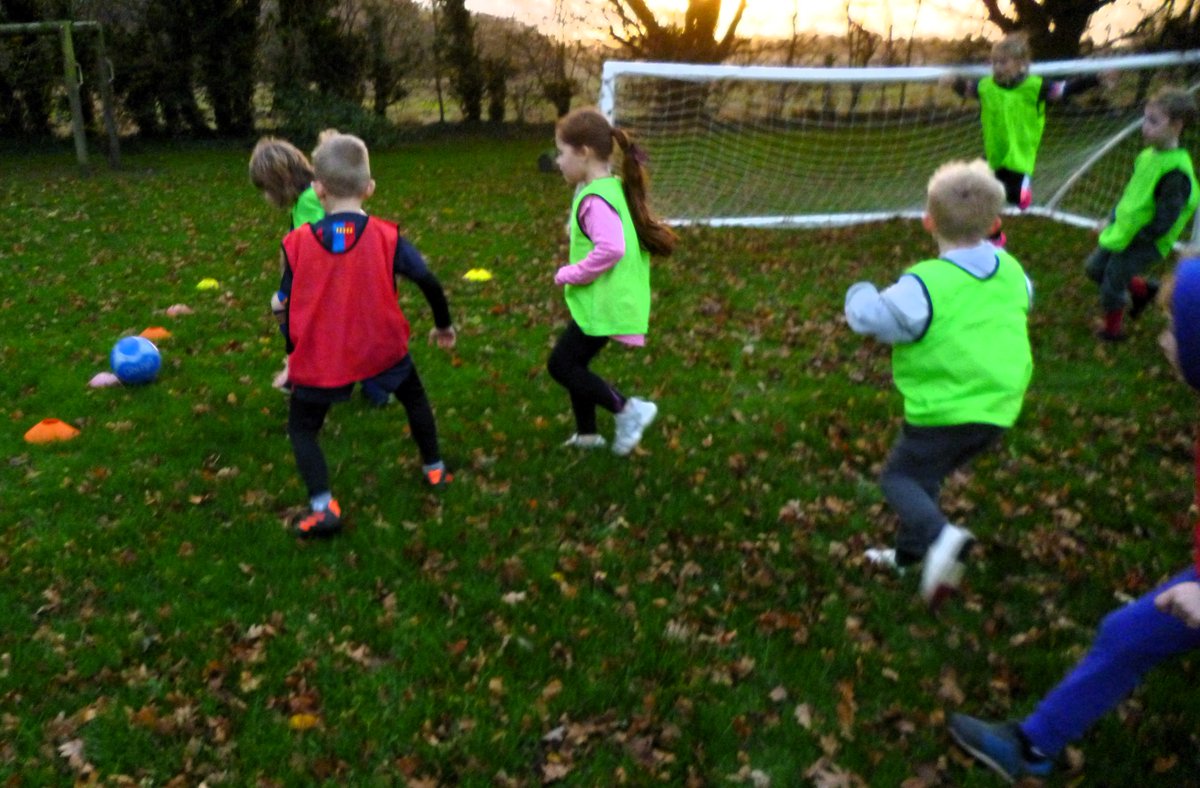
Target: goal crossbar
(715,133)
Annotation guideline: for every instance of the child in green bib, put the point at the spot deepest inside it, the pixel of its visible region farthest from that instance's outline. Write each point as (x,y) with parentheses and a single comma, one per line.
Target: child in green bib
(607,279)
(961,359)
(1012,112)
(1155,208)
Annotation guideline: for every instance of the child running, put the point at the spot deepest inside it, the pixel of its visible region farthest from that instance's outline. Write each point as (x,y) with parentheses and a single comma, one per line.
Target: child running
(1155,208)
(1012,111)
(960,357)
(607,283)
(343,323)
(1160,625)
(284,176)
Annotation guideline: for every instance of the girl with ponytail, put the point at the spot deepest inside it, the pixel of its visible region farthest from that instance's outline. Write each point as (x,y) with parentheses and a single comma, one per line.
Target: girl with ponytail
(607,281)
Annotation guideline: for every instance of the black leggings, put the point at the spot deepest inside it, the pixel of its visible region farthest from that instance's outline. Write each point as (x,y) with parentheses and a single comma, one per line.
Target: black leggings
(1013,181)
(306,418)
(568,365)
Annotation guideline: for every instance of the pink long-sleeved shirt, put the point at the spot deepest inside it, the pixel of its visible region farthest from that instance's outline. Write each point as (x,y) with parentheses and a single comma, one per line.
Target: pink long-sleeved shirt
(602,225)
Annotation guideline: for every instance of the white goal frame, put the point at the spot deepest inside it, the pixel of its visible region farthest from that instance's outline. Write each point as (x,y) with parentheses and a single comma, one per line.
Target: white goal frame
(614,70)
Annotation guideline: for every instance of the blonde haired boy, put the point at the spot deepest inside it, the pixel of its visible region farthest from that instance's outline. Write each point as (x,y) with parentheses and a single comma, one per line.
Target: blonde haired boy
(961,359)
(343,324)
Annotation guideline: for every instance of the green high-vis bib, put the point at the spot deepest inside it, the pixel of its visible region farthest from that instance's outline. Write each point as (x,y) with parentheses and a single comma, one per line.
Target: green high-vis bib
(618,301)
(1013,121)
(974,362)
(1136,207)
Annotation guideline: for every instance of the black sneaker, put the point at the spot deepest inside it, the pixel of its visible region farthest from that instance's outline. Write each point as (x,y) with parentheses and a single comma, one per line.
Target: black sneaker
(320,525)
(1139,304)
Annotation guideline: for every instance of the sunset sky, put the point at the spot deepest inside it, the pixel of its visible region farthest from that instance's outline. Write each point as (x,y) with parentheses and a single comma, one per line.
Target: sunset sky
(774,17)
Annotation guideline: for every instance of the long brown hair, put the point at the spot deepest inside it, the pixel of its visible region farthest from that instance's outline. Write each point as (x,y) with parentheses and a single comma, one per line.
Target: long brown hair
(586,127)
(280,170)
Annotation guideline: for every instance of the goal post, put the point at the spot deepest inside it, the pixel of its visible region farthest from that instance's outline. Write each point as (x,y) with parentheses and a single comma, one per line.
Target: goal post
(774,146)
(73,79)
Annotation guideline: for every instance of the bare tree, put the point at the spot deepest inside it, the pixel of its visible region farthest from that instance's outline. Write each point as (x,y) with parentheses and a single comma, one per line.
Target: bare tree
(1175,24)
(696,41)
(861,46)
(1055,27)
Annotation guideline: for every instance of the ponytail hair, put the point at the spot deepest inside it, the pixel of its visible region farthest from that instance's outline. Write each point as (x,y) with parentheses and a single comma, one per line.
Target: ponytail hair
(587,127)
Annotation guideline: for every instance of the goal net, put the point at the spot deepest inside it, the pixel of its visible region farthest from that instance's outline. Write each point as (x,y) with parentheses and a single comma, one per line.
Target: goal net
(775,146)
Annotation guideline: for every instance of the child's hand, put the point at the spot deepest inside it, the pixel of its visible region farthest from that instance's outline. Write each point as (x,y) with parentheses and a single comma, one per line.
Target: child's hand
(444,338)
(280,380)
(1183,602)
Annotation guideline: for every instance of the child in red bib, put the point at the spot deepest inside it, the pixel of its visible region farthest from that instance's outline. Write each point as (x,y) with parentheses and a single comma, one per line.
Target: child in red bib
(343,323)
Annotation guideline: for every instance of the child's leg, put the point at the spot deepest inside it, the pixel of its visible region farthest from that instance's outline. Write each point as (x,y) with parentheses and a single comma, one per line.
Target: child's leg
(1120,270)
(568,365)
(1130,641)
(1096,265)
(411,394)
(304,422)
(1015,186)
(912,478)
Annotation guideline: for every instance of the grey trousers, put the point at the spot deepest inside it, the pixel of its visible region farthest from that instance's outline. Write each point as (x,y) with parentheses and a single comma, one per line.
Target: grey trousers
(1113,270)
(912,479)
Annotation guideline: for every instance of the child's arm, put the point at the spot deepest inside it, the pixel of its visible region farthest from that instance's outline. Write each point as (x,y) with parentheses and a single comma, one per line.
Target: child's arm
(601,223)
(897,315)
(1056,90)
(411,265)
(281,302)
(1182,601)
(965,88)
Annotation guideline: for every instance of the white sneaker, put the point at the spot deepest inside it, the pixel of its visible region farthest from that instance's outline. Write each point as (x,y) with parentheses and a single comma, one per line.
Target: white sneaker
(632,421)
(593,441)
(944,567)
(884,557)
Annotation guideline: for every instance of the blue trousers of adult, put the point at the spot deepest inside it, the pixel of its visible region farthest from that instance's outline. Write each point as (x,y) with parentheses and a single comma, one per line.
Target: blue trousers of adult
(1131,640)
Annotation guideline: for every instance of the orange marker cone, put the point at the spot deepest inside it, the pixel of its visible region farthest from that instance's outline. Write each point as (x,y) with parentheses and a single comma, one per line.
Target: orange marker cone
(156,333)
(50,430)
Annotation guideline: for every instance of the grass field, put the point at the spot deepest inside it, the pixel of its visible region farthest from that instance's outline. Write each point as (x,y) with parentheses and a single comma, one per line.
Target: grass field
(696,614)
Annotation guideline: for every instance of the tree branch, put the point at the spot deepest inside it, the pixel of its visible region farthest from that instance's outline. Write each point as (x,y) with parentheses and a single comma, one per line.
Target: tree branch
(727,42)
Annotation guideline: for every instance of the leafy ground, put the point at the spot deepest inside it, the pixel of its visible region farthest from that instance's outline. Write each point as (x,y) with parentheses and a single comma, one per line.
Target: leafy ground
(696,614)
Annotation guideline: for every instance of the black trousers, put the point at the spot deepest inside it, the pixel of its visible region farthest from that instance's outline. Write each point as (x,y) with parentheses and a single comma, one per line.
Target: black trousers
(1012,181)
(306,417)
(568,365)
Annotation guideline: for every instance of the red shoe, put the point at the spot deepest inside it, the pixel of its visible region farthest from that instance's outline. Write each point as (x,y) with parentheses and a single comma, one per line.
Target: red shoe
(438,477)
(320,525)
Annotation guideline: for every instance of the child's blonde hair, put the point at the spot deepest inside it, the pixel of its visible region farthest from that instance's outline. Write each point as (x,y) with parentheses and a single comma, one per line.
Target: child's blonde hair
(342,165)
(964,199)
(1013,45)
(1176,103)
(279,170)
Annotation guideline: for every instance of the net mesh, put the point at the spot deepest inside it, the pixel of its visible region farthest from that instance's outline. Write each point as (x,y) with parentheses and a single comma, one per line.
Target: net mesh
(740,150)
